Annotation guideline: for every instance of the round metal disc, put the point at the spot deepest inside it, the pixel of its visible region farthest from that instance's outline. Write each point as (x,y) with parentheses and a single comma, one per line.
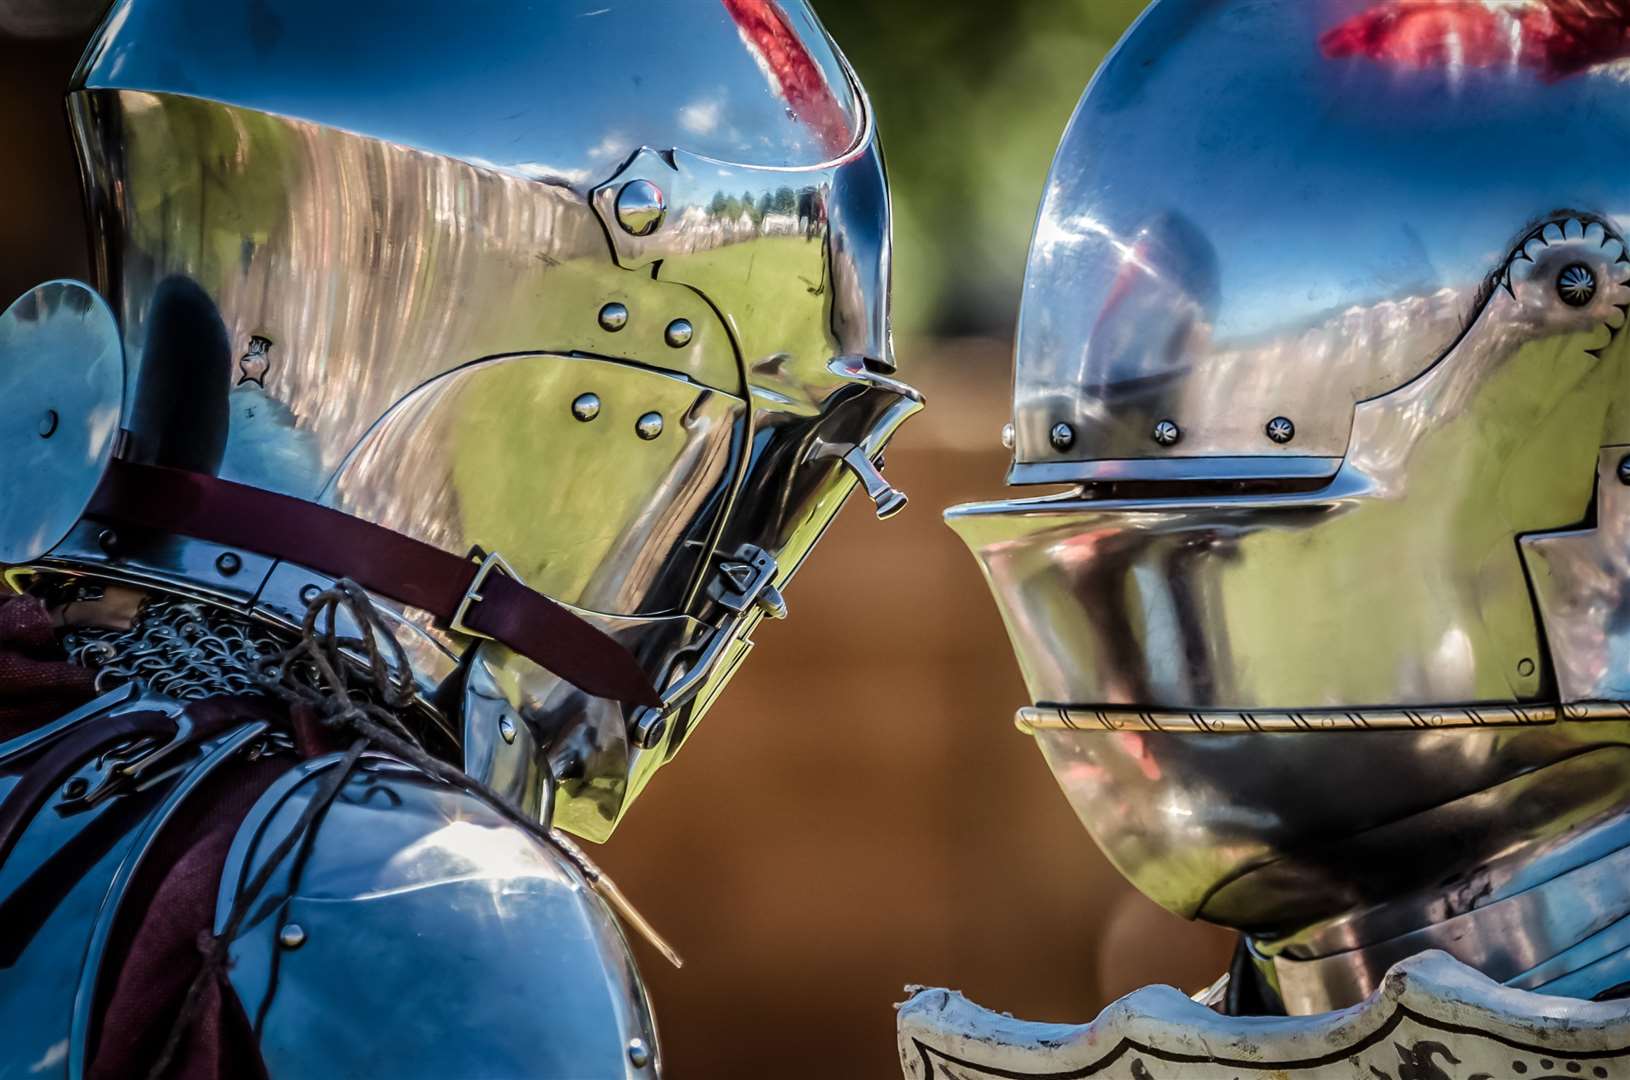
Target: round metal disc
(62,381)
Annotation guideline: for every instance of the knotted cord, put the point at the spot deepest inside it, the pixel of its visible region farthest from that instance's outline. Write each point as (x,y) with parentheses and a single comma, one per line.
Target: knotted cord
(369,710)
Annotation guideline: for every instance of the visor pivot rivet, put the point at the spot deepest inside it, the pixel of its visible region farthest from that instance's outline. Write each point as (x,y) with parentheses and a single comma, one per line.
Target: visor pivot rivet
(638,1055)
(1624,470)
(648,426)
(1281,430)
(1007,436)
(649,727)
(613,317)
(292,936)
(1062,436)
(640,207)
(1576,284)
(586,407)
(1167,433)
(506,729)
(678,334)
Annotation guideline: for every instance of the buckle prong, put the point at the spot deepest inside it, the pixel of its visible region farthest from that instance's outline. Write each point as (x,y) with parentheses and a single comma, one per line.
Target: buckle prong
(472,594)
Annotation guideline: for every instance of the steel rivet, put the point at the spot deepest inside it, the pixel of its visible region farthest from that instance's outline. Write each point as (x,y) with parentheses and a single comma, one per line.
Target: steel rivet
(1525,667)
(1062,436)
(638,1055)
(1280,430)
(48,424)
(1576,285)
(1007,436)
(309,593)
(506,728)
(613,317)
(640,207)
(76,788)
(586,407)
(678,334)
(1167,433)
(649,727)
(108,541)
(292,936)
(649,426)
(1624,469)
(228,563)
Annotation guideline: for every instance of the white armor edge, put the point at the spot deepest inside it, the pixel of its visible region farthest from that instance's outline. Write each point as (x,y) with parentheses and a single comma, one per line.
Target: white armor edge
(1433,1018)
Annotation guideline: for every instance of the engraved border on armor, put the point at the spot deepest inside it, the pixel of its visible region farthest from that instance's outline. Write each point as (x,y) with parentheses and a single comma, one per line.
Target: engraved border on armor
(1420,1058)
(1032,719)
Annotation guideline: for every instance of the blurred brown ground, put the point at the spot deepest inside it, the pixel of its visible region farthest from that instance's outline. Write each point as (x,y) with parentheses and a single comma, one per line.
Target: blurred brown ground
(858,812)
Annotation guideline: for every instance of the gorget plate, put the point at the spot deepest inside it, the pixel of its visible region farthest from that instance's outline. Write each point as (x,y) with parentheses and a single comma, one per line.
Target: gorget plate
(1432,1019)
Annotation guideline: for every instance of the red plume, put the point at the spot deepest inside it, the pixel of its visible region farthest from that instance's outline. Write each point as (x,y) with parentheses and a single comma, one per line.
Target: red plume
(1556,38)
(797,78)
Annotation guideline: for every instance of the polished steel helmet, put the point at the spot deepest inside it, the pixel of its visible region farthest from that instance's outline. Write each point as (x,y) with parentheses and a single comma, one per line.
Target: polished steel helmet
(1322,329)
(597,295)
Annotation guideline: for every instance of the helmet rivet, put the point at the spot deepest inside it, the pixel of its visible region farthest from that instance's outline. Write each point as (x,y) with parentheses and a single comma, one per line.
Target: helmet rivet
(1525,667)
(649,426)
(228,563)
(1007,436)
(638,1055)
(1624,470)
(108,541)
(649,727)
(613,317)
(48,424)
(1167,433)
(1576,284)
(292,936)
(586,407)
(640,207)
(506,729)
(310,593)
(678,334)
(1062,436)
(1280,430)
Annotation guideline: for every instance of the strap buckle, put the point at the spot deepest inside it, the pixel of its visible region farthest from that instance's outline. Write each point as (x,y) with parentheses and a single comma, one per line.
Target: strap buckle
(472,594)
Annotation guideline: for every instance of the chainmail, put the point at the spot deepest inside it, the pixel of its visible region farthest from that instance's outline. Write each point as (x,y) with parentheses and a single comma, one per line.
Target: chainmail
(179,648)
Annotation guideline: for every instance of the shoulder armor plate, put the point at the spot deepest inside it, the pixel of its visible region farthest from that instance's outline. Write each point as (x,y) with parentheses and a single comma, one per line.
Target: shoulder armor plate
(66,862)
(426,937)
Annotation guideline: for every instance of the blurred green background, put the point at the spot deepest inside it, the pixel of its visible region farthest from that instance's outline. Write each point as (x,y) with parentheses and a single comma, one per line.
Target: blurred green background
(971,99)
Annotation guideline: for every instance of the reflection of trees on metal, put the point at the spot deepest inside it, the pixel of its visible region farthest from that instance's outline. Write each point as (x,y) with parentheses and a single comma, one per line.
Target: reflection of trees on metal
(792,71)
(1554,37)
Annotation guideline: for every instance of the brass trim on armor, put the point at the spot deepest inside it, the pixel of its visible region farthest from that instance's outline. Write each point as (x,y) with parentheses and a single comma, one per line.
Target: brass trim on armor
(1032,719)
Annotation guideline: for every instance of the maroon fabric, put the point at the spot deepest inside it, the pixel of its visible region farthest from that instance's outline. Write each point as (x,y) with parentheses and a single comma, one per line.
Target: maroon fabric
(378,559)
(155,955)
(37,683)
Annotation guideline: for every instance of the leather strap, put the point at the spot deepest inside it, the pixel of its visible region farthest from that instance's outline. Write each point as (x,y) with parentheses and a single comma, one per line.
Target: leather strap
(406,570)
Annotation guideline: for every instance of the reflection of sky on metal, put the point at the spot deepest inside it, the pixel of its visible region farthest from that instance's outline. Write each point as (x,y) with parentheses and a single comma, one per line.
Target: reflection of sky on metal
(1301,175)
(452,78)
(1250,216)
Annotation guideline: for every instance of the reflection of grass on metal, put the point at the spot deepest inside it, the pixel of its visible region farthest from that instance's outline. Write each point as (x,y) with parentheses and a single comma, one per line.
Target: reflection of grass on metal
(580,487)
(584,510)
